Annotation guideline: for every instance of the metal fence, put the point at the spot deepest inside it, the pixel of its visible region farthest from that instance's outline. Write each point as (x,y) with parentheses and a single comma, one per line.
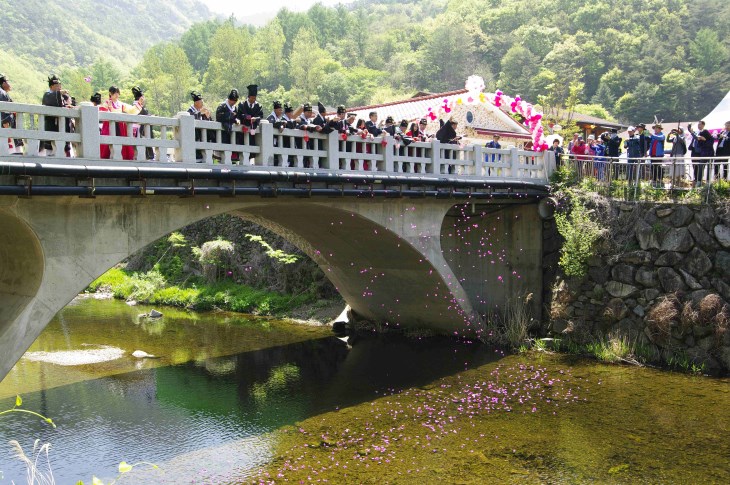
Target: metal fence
(690,179)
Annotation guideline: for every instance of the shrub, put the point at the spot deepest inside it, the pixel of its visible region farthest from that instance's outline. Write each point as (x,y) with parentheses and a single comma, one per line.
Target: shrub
(580,233)
(216,258)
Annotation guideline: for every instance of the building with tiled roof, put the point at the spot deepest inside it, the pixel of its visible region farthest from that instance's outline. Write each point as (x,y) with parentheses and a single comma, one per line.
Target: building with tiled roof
(480,120)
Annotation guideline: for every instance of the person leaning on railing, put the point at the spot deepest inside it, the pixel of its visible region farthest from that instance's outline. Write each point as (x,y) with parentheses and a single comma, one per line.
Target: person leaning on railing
(8,119)
(113,105)
(226,115)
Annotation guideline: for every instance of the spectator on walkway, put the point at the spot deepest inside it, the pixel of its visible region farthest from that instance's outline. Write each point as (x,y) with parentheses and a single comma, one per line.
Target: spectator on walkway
(702,147)
(8,119)
(723,150)
(656,155)
(113,105)
(57,97)
(371,124)
(599,150)
(632,145)
(199,112)
(559,152)
(679,149)
(226,115)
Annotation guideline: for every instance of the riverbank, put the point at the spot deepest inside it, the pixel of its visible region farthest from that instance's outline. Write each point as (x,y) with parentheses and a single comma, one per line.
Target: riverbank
(194,294)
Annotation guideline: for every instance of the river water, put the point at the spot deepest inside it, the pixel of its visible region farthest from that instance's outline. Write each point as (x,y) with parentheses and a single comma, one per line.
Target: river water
(238,399)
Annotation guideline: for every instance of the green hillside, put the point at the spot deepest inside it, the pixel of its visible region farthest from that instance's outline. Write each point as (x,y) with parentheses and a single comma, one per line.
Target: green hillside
(42,37)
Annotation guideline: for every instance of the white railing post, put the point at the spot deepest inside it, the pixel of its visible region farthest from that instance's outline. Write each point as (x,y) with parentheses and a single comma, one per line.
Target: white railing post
(333,151)
(89,147)
(478,160)
(266,143)
(184,134)
(436,157)
(389,154)
(549,164)
(514,162)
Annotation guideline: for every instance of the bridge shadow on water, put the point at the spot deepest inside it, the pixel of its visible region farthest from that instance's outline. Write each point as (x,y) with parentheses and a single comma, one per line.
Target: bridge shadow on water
(225,403)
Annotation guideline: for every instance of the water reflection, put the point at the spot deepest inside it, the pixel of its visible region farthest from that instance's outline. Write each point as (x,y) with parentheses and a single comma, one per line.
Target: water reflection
(228,403)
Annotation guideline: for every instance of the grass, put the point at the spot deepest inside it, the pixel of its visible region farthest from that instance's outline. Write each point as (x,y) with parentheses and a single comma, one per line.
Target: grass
(196,295)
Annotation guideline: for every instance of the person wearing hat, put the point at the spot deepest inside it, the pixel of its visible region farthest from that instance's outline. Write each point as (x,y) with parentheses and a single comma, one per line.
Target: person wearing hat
(58,98)
(200,112)
(250,112)
(140,106)
(95,98)
(8,119)
(644,138)
(276,119)
(389,126)
(304,122)
(632,145)
(289,121)
(227,116)
(678,151)
(656,155)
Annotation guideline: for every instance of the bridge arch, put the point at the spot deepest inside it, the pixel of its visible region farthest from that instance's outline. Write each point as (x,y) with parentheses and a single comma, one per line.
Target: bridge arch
(384,257)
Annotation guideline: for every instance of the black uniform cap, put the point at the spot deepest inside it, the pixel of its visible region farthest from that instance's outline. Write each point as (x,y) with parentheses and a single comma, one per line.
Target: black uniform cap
(341,110)
(53,79)
(277,104)
(321,108)
(196,95)
(253,90)
(233,95)
(389,119)
(307,107)
(288,108)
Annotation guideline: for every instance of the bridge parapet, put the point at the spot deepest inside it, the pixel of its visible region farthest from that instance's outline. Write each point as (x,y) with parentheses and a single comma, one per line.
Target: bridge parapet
(174,139)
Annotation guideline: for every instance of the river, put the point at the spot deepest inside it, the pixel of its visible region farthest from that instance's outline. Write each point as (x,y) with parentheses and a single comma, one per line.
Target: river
(238,399)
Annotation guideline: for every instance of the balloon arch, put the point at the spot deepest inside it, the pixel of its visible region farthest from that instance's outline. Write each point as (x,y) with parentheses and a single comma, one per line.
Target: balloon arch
(475,95)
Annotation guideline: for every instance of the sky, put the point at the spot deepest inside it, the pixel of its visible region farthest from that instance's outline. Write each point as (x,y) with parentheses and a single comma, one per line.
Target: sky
(259,12)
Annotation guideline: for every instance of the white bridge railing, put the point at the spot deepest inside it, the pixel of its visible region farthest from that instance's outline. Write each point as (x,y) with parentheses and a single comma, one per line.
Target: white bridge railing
(174,139)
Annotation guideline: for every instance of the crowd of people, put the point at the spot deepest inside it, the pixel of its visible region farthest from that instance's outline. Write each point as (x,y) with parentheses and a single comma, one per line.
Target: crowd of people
(699,144)
(247,113)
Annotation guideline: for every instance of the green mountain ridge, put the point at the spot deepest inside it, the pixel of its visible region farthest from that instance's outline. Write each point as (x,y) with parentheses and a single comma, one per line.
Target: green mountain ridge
(43,37)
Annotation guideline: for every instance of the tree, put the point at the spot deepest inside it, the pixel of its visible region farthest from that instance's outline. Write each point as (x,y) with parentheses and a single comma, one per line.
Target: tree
(708,53)
(269,56)
(447,58)
(230,65)
(674,95)
(196,44)
(167,78)
(104,74)
(519,67)
(309,64)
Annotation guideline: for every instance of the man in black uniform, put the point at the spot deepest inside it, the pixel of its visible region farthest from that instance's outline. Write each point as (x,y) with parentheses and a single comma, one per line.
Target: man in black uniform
(198,111)
(58,98)
(275,118)
(7,119)
(226,115)
(305,122)
(250,113)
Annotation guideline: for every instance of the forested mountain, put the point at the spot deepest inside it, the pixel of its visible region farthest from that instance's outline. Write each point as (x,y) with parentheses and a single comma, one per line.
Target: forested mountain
(41,37)
(667,57)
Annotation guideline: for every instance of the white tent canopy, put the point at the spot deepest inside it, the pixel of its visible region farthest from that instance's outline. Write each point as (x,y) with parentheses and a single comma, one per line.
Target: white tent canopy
(718,116)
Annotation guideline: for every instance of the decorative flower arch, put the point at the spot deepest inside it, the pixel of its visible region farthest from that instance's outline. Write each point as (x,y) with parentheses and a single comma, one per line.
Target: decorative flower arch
(476,95)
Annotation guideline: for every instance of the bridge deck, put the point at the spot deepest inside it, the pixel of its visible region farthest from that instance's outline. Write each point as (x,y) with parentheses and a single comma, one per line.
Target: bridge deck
(297,161)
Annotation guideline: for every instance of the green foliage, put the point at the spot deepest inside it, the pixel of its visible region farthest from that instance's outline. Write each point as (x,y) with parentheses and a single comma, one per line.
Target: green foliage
(276,254)
(580,232)
(152,288)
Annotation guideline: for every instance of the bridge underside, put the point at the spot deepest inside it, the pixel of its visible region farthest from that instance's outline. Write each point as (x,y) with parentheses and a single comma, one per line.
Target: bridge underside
(385,256)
